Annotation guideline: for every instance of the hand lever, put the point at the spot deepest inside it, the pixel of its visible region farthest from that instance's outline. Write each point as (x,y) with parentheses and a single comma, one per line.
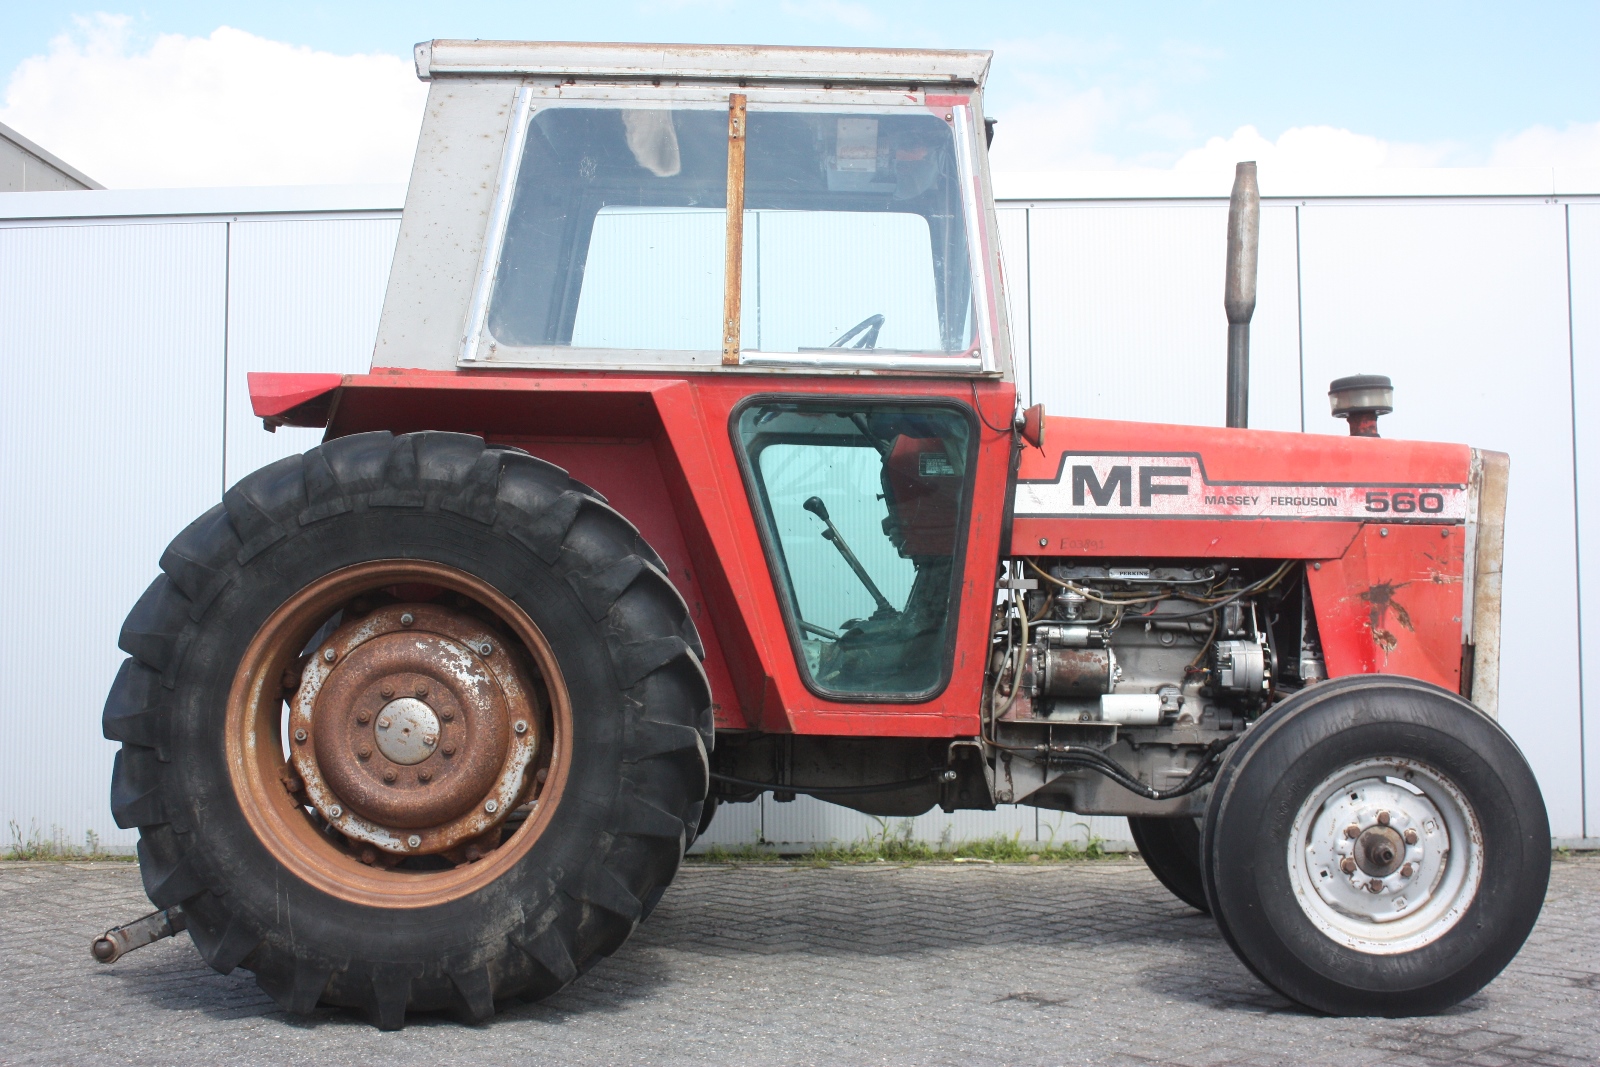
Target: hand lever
(820,510)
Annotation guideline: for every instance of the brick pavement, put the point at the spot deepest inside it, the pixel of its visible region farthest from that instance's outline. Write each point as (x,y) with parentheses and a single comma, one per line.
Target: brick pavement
(1078,963)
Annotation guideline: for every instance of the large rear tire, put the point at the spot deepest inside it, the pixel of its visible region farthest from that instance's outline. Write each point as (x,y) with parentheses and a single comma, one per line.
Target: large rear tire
(1376,846)
(527,622)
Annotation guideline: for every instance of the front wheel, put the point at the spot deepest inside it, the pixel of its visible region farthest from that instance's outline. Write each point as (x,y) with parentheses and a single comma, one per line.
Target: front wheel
(1171,849)
(1376,846)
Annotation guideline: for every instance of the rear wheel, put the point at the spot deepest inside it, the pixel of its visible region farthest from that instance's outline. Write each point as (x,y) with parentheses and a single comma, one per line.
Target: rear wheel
(1171,849)
(1376,846)
(409,724)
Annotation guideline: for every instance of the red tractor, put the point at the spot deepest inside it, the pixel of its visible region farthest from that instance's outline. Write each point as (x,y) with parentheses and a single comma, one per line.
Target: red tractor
(689,467)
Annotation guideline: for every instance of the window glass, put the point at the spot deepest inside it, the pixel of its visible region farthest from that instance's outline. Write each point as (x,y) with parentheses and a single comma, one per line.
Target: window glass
(854,233)
(864,506)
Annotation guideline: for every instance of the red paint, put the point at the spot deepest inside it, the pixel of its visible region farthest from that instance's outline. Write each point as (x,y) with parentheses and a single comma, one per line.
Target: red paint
(1392,604)
(661,449)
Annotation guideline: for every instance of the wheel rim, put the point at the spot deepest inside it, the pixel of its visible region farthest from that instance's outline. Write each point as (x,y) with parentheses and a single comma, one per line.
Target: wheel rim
(1385,856)
(425,733)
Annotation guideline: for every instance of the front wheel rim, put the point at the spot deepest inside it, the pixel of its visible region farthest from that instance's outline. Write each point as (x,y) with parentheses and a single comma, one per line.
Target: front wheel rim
(1385,856)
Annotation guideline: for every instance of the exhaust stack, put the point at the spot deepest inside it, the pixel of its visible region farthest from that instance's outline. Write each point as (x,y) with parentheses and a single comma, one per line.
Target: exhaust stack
(1239,296)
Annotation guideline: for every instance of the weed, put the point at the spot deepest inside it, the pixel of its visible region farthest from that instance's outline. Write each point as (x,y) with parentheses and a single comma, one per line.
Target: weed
(36,846)
(896,844)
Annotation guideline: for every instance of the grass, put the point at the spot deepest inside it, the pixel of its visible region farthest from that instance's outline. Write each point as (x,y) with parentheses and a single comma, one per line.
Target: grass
(896,845)
(37,846)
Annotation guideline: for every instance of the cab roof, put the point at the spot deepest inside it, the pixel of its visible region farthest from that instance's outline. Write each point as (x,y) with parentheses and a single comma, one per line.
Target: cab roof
(767,64)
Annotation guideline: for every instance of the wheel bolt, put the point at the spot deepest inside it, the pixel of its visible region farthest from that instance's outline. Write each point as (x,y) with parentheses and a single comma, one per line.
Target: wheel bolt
(491,806)
(389,775)
(406,620)
(414,841)
(520,727)
(335,812)
(363,717)
(1383,818)
(369,856)
(1375,886)
(1405,871)
(386,691)
(422,690)
(1347,865)
(330,655)
(1411,837)
(447,716)
(448,750)
(424,775)
(364,752)
(300,736)
(1352,830)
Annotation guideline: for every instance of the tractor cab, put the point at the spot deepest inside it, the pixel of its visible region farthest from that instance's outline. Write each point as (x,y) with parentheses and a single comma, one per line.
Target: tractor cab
(612,206)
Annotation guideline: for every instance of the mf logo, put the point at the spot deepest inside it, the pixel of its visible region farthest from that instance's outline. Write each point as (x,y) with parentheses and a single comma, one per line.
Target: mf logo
(1154,481)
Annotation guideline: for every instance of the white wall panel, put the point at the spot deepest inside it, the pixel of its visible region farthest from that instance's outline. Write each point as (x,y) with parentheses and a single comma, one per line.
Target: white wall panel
(806,822)
(1128,320)
(1013,222)
(1583,232)
(111,336)
(1464,306)
(304,295)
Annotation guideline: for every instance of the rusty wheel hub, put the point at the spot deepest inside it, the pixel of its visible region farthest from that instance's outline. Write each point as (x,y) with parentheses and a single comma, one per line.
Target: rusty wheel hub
(413,729)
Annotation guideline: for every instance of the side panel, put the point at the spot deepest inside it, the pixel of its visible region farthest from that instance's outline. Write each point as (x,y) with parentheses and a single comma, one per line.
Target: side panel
(662,450)
(1101,488)
(1392,604)
(441,233)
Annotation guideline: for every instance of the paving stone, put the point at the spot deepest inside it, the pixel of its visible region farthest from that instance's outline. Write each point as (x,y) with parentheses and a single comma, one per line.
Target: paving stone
(1090,963)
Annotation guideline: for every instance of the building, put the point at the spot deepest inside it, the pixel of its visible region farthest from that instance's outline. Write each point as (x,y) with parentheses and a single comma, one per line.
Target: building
(128,320)
(25,167)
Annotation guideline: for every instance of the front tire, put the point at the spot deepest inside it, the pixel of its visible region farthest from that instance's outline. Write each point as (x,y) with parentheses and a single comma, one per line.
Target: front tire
(549,670)
(1171,849)
(1376,846)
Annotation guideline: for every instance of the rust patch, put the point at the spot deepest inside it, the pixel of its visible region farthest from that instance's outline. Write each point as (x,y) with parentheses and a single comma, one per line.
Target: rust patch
(1381,601)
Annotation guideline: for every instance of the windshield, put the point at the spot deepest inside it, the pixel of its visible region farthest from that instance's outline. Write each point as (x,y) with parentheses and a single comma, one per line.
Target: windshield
(854,234)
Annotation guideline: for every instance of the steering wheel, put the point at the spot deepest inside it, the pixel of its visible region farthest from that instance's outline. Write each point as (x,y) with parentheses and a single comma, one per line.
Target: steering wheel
(869,339)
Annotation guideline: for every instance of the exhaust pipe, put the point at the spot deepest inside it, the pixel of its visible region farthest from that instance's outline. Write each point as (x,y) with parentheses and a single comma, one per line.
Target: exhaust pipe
(1239,296)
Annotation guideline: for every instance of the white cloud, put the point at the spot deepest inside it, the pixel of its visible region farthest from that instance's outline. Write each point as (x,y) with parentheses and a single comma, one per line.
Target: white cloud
(1308,151)
(228,109)
(1576,146)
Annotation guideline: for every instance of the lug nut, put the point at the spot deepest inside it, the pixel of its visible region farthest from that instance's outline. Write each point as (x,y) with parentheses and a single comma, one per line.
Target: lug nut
(363,716)
(520,727)
(1352,830)
(1375,886)
(474,853)
(424,775)
(364,752)
(447,716)
(335,812)
(422,690)
(369,856)
(406,620)
(414,841)
(389,775)
(386,691)
(300,736)
(1411,837)
(1347,865)
(544,773)
(1405,871)
(491,806)
(1383,818)
(448,750)
(290,679)
(330,655)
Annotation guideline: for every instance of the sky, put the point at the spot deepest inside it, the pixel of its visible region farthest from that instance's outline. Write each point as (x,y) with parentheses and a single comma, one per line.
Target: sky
(176,93)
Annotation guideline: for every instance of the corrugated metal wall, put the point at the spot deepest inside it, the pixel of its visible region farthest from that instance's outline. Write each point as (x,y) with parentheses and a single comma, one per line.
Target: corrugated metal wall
(128,341)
